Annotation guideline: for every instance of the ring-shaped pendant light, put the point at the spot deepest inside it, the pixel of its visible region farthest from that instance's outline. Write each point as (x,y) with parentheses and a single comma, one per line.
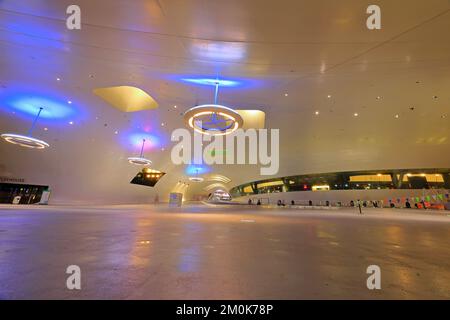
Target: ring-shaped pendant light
(26,140)
(213,119)
(140,161)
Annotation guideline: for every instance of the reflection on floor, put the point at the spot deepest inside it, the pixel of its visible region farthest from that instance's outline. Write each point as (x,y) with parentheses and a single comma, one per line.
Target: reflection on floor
(207,252)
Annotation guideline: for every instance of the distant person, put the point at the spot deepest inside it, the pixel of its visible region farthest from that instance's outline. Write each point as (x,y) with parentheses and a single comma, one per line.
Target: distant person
(407,204)
(283,204)
(416,205)
(352,203)
(310,203)
(292,203)
(392,205)
(250,201)
(279,203)
(327,203)
(258,203)
(358,203)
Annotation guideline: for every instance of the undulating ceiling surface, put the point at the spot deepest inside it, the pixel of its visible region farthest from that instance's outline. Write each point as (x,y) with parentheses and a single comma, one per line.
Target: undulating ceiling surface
(344,97)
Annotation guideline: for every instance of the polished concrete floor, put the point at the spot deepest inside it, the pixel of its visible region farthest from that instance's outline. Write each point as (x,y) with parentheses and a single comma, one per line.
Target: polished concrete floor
(206,252)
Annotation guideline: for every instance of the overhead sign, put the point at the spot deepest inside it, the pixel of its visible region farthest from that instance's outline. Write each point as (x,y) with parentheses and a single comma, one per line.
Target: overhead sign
(7,179)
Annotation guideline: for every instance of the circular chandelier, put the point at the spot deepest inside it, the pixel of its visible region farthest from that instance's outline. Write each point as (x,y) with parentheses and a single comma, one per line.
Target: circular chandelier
(140,161)
(26,140)
(213,119)
(196,178)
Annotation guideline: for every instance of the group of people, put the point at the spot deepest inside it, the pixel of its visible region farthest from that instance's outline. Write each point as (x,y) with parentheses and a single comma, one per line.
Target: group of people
(357,203)
(250,202)
(281,203)
(376,204)
(364,203)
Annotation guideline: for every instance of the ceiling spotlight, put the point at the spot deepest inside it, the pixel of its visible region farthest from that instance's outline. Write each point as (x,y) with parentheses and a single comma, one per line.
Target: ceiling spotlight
(147,177)
(58,79)
(379,98)
(316,113)
(69,102)
(175,107)
(26,141)
(286,94)
(70,122)
(213,119)
(140,161)
(355,114)
(162,124)
(329,96)
(397,116)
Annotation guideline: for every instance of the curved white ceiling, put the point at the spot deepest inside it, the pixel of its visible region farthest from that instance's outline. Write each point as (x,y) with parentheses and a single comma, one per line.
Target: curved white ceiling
(292,59)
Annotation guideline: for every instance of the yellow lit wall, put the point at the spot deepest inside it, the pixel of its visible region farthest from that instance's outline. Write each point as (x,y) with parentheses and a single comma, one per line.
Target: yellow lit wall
(321,188)
(270,184)
(429,177)
(371,178)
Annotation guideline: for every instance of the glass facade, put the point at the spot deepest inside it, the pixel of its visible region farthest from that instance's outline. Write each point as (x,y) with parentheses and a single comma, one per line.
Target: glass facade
(351,180)
(28,194)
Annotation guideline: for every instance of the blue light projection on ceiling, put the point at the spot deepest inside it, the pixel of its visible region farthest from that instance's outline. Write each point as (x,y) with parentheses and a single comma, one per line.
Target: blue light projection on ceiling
(213,81)
(193,169)
(31,105)
(22,28)
(26,104)
(210,80)
(144,127)
(133,141)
